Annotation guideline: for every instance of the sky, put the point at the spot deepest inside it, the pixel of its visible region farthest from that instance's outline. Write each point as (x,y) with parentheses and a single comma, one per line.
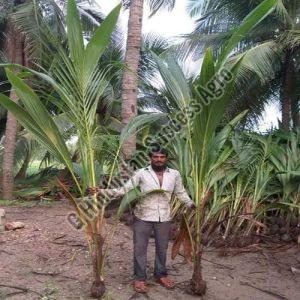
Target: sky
(177,22)
(164,23)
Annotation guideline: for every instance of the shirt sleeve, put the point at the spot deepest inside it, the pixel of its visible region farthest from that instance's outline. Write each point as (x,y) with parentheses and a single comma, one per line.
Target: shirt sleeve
(181,193)
(133,182)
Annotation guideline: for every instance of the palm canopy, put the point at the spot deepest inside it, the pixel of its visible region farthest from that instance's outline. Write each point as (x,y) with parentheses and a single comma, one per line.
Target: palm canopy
(273,43)
(6,7)
(216,19)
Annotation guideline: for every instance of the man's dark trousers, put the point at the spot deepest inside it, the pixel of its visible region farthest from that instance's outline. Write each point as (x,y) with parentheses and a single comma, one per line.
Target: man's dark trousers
(141,234)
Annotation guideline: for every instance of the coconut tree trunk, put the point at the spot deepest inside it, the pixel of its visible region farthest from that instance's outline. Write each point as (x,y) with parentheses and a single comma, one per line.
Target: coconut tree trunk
(130,75)
(287,87)
(14,48)
(295,112)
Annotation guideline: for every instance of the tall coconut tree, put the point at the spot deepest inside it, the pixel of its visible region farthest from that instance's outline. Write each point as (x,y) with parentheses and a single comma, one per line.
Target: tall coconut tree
(273,59)
(15,53)
(132,57)
(21,44)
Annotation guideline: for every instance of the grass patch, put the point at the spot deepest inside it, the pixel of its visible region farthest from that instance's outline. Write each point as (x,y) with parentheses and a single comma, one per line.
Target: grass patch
(50,291)
(25,203)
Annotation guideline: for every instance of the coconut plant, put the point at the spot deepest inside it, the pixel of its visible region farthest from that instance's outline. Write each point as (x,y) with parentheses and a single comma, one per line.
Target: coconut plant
(79,85)
(201,111)
(285,158)
(248,192)
(263,196)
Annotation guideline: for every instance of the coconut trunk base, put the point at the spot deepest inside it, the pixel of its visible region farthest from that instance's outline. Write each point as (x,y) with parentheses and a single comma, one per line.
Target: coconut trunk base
(97,289)
(198,286)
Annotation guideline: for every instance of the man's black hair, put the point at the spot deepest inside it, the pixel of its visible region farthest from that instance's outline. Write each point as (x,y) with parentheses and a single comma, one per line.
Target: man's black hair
(156,148)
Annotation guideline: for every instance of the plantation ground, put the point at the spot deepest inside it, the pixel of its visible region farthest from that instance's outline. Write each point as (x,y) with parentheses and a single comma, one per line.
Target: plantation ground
(49,259)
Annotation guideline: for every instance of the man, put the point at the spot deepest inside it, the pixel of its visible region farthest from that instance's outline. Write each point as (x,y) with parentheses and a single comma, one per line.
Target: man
(152,213)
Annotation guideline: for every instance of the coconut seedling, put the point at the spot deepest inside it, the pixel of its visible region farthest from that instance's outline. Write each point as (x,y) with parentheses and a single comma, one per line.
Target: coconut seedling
(285,159)
(202,108)
(79,85)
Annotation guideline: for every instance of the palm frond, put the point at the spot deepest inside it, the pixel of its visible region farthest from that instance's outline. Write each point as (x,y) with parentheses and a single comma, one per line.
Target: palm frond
(291,38)
(156,5)
(174,80)
(249,22)
(36,20)
(150,43)
(260,60)
(92,17)
(195,7)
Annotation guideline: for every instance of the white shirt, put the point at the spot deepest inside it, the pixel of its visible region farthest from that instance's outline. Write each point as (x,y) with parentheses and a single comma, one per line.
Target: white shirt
(155,207)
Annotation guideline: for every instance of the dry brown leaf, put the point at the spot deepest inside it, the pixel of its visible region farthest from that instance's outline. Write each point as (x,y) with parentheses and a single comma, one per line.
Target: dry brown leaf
(177,242)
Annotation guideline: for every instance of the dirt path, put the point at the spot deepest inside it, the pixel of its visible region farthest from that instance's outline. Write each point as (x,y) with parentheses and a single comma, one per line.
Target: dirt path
(49,260)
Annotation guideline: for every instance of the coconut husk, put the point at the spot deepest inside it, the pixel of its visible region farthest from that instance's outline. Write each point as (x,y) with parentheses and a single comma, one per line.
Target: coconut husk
(286,238)
(283,230)
(294,221)
(274,228)
(280,221)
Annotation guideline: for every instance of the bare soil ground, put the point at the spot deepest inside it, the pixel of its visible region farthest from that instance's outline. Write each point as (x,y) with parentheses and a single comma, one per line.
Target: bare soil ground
(49,259)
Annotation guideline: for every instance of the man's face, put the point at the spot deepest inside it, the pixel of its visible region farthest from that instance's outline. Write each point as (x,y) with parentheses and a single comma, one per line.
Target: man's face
(158,159)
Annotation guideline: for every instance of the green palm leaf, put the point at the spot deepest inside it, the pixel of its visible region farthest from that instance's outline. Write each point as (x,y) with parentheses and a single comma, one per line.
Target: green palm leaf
(250,21)
(100,41)
(74,34)
(36,119)
(133,196)
(137,124)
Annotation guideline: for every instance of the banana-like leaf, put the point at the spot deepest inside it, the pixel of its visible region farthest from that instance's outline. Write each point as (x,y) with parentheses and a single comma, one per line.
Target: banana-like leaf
(219,105)
(39,113)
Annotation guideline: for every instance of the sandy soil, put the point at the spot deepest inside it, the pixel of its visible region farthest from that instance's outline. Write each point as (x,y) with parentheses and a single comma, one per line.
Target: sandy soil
(49,260)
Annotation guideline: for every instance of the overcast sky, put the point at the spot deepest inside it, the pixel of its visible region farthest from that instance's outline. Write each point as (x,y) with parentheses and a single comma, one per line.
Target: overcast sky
(163,23)
(169,24)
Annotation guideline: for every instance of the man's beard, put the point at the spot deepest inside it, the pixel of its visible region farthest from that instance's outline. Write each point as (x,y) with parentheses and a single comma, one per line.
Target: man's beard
(158,168)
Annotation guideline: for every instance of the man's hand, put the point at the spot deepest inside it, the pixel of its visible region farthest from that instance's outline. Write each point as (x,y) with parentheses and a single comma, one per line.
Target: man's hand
(192,206)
